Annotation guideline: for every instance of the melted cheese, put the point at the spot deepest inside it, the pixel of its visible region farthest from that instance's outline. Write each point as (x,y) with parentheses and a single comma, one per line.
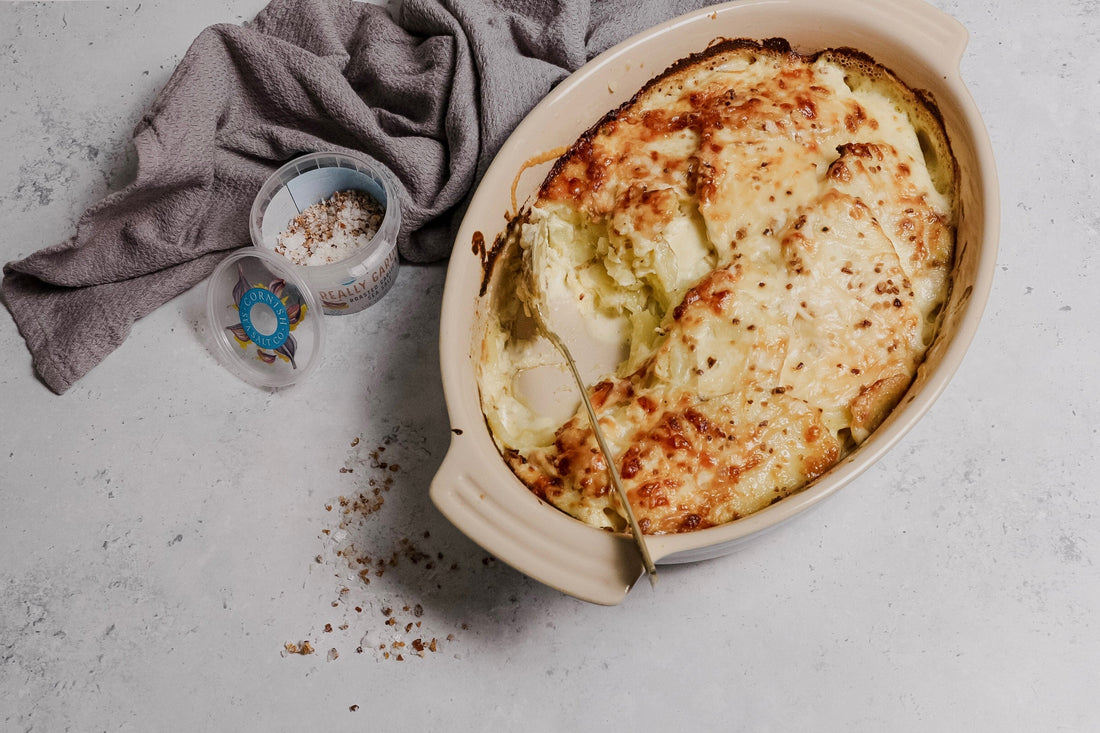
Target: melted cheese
(761,241)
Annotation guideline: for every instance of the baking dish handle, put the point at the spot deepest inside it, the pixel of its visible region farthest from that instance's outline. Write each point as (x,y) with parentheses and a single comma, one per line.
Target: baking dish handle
(521,530)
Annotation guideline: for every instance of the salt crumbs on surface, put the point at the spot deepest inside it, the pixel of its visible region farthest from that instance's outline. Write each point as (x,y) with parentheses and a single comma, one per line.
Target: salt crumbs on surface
(370,618)
(330,230)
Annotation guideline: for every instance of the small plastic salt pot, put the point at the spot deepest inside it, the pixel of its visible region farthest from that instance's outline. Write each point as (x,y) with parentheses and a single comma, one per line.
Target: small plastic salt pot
(367,272)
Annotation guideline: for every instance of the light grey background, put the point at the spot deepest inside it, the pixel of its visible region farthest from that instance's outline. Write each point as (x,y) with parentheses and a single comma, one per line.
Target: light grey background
(164,530)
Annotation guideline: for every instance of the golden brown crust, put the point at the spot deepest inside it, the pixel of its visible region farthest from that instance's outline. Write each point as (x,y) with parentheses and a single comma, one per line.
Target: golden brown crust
(827,245)
(562,181)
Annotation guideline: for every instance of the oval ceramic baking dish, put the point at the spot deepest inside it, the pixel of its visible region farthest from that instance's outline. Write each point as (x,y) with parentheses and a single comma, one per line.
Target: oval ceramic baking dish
(474,488)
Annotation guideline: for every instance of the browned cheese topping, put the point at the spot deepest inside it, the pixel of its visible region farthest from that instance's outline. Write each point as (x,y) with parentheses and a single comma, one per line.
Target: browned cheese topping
(771,236)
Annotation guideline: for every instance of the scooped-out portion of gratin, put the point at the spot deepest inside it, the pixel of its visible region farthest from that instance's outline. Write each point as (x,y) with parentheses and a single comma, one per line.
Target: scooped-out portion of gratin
(761,240)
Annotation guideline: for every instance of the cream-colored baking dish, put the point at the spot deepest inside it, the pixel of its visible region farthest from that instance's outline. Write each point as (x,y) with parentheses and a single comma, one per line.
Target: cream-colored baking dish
(476,490)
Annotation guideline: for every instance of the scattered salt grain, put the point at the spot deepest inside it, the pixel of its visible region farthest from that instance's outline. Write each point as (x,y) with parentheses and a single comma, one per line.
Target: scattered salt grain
(330,230)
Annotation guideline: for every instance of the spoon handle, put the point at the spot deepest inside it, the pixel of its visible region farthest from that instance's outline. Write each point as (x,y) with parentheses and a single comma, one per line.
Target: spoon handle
(612,469)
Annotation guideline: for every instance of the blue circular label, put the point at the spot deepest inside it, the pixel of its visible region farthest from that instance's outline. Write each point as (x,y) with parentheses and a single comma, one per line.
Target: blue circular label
(262,296)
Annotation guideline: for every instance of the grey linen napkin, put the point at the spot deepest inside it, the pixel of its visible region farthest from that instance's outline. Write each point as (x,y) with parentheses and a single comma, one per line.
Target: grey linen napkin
(431,94)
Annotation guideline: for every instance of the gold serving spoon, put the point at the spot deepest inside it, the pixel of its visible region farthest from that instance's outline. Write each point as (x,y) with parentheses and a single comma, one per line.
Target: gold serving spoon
(543,323)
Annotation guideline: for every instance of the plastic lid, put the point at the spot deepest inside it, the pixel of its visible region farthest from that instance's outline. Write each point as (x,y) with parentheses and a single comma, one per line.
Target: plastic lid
(264,319)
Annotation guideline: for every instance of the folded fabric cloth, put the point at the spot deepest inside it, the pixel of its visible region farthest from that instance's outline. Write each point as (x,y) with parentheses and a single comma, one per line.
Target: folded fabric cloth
(431,94)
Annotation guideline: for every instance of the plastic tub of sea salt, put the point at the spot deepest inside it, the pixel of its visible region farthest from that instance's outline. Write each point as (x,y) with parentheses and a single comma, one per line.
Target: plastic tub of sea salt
(353,261)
